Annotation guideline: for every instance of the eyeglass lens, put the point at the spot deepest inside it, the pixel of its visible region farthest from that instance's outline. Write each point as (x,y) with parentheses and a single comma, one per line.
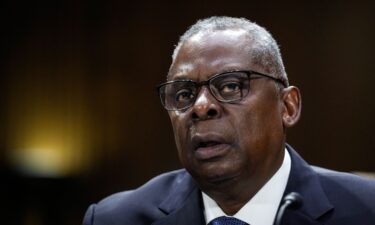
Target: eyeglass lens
(227,87)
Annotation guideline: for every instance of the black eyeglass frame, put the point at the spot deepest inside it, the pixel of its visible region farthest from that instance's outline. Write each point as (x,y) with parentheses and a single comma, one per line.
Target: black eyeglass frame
(207,82)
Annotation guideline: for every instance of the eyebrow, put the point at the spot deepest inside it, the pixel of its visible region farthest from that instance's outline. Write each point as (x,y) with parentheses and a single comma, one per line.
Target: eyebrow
(179,77)
(182,76)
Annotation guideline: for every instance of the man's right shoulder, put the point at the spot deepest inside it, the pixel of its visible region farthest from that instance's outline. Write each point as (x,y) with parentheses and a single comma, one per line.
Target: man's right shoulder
(154,190)
(139,205)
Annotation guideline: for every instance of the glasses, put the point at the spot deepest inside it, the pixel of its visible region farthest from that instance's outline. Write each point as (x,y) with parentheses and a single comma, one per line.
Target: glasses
(225,87)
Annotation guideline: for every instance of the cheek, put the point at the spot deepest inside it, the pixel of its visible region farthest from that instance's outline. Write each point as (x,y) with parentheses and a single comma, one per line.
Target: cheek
(247,123)
(179,129)
(257,125)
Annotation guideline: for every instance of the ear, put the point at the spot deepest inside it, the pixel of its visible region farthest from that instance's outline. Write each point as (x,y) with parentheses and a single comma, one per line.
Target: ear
(292,103)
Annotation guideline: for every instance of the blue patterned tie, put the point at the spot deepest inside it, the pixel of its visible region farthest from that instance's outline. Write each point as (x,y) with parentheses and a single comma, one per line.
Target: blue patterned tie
(223,220)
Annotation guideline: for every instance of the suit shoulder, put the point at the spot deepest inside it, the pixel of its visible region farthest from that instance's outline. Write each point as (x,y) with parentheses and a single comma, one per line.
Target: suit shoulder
(129,206)
(345,178)
(347,187)
(151,190)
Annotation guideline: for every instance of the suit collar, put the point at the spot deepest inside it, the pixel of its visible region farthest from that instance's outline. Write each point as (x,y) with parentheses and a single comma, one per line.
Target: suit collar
(183,205)
(191,212)
(181,191)
(304,180)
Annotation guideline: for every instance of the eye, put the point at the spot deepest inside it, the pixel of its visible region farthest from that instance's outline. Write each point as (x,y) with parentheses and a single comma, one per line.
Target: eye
(230,87)
(184,95)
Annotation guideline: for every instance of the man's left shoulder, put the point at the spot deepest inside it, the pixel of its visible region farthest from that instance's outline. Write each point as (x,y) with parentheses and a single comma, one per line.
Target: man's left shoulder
(347,184)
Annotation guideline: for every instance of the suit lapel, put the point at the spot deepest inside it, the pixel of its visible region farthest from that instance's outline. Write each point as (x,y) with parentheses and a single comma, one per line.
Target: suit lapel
(304,180)
(183,206)
(190,213)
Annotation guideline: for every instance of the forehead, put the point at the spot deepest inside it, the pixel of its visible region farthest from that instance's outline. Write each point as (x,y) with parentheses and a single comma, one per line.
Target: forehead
(208,53)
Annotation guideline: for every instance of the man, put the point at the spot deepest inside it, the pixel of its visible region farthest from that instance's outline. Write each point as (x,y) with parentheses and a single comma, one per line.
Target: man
(230,102)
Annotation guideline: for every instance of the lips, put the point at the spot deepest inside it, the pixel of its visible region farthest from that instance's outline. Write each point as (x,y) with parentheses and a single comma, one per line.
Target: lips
(209,147)
(207,144)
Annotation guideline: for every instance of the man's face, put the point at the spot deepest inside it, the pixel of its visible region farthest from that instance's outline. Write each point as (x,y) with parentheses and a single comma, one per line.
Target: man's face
(223,142)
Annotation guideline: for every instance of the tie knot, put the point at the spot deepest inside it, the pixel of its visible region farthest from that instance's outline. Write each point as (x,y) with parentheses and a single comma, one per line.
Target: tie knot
(223,220)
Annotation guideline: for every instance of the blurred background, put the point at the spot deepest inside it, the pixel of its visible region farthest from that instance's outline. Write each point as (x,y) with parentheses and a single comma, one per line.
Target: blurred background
(80,118)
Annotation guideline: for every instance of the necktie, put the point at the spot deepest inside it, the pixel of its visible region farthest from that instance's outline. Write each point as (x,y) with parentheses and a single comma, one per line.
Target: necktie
(223,220)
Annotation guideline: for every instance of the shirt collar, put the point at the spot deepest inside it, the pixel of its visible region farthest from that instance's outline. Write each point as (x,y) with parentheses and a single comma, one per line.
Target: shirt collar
(262,208)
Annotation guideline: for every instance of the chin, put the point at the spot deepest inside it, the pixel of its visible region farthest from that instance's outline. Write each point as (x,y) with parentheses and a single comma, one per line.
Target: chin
(222,177)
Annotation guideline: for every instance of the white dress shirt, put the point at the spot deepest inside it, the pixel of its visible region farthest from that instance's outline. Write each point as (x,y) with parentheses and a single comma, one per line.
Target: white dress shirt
(262,208)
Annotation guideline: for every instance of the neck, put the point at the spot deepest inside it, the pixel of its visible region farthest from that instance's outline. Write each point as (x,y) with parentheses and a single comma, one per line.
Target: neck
(232,197)
(232,194)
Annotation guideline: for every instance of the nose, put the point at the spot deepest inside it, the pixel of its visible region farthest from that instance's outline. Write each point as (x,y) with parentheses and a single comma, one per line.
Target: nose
(205,106)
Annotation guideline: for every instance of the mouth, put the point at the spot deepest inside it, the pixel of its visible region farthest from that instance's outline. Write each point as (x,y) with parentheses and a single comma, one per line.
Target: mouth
(209,148)
(208,144)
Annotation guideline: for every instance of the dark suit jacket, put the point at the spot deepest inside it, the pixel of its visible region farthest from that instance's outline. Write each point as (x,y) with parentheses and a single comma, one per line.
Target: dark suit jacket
(329,198)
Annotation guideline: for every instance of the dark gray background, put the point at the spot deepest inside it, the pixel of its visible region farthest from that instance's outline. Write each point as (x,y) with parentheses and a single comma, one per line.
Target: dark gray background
(95,65)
